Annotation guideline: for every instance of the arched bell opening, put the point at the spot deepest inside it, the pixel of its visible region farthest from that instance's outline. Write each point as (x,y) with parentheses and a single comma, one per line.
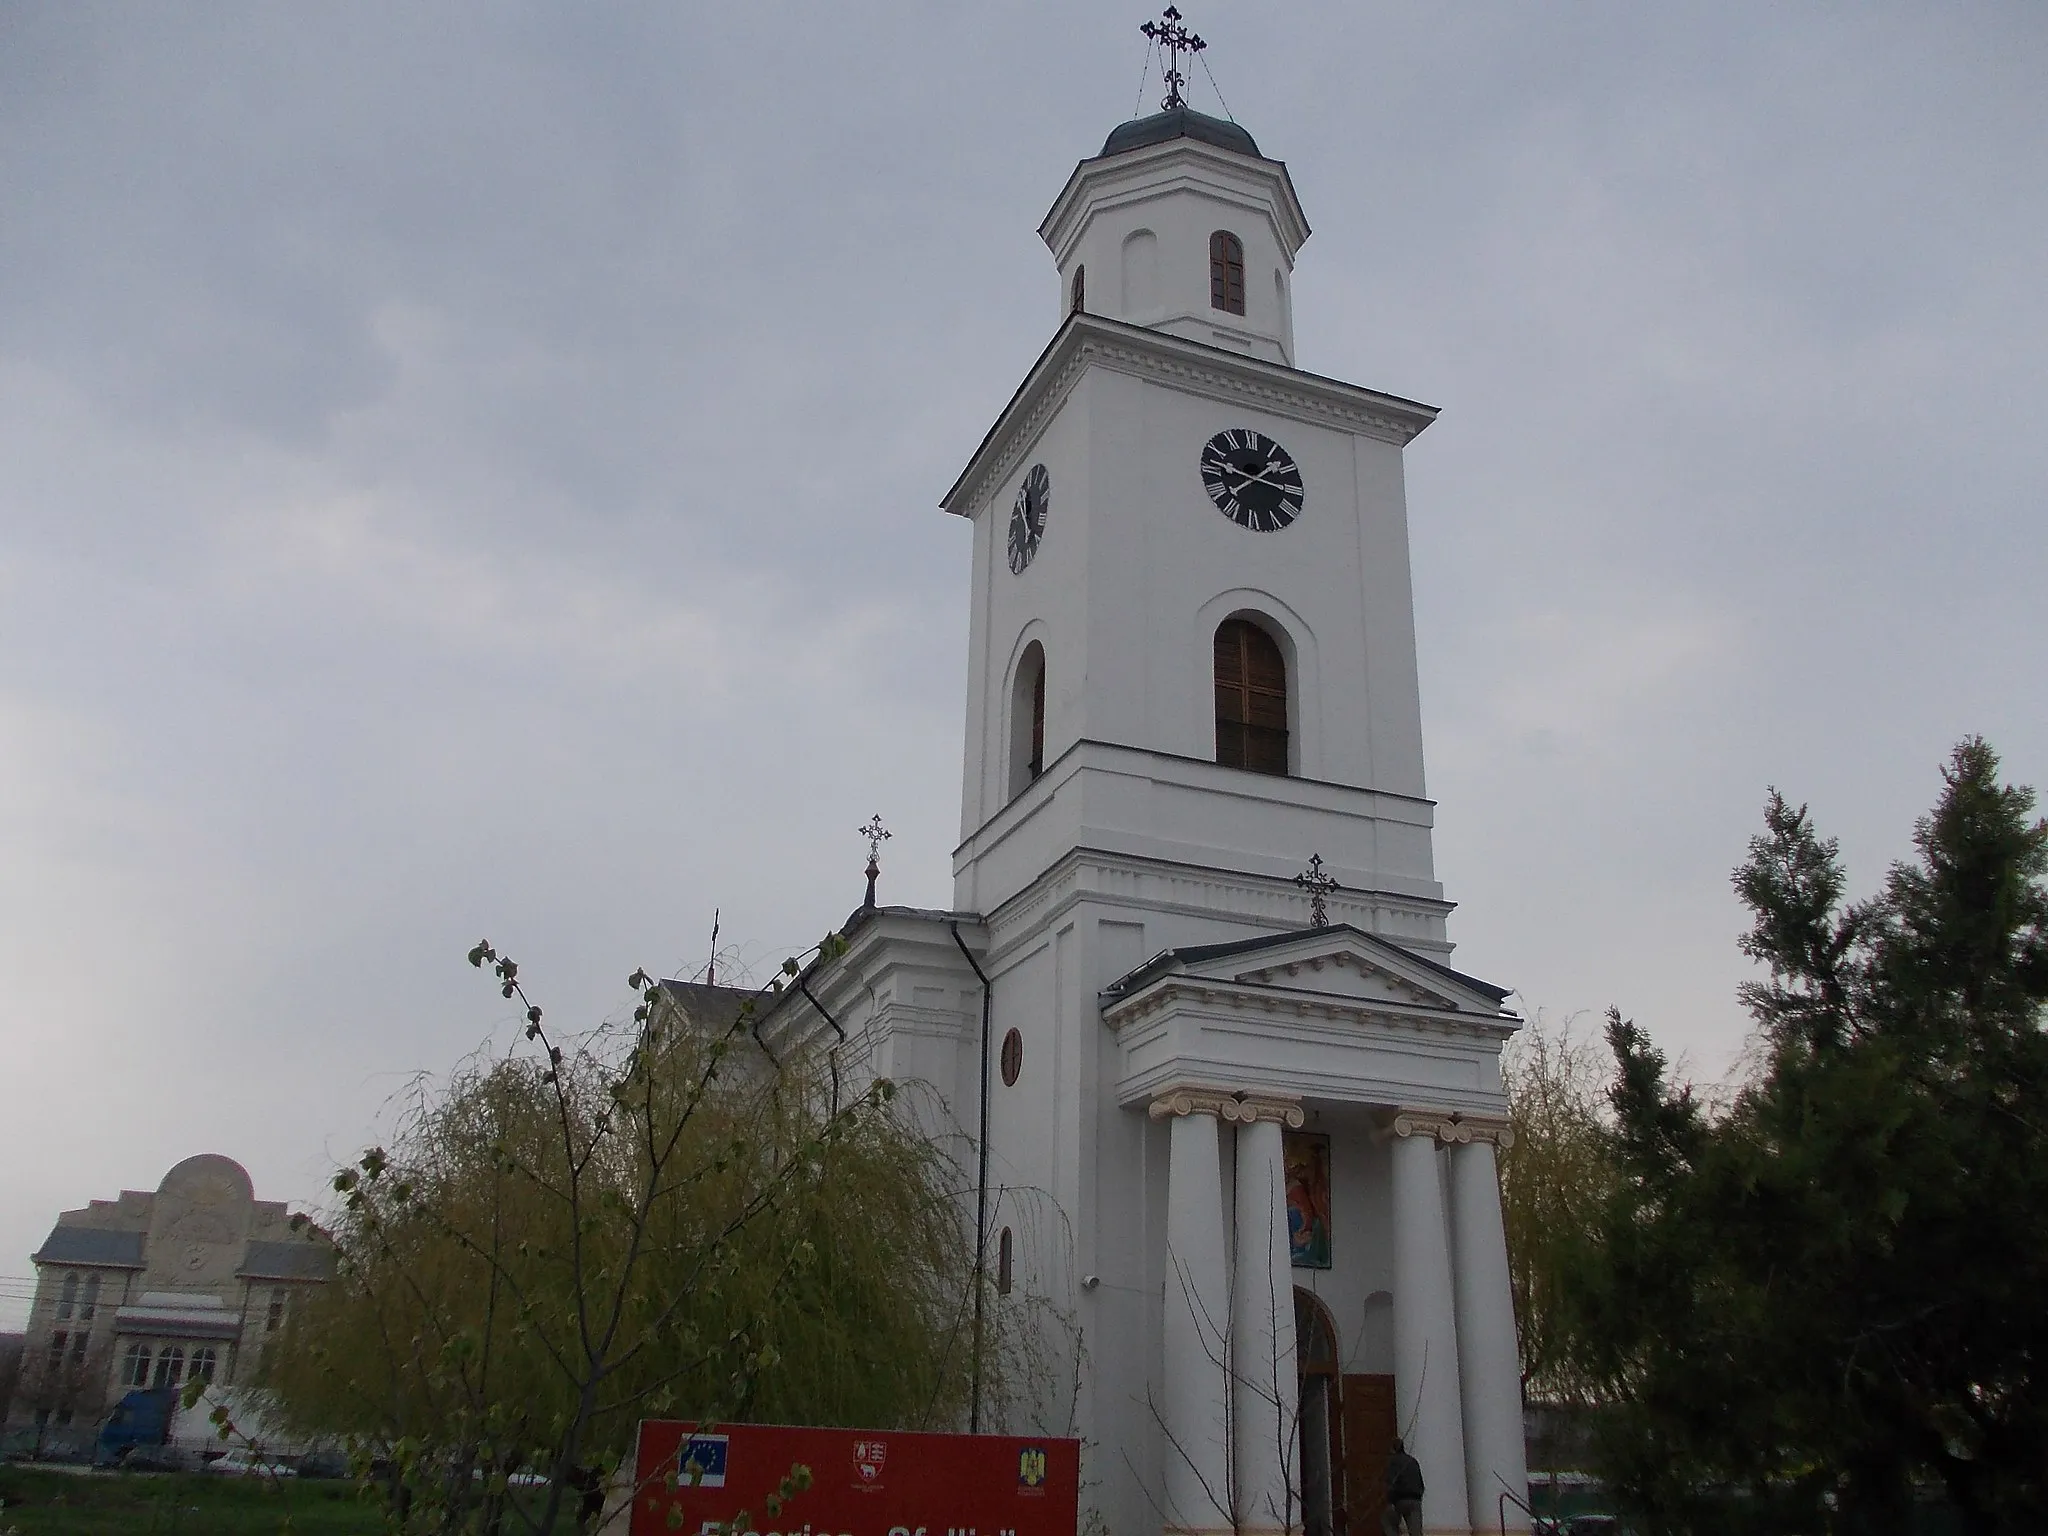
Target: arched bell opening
(1027,720)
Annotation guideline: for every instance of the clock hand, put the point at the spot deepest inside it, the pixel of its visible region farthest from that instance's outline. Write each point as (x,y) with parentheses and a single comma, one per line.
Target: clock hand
(1275,484)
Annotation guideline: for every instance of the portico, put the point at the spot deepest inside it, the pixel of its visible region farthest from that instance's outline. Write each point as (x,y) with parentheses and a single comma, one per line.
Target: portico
(1252,1051)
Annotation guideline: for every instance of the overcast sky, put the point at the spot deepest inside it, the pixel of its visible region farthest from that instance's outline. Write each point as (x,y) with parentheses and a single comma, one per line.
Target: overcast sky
(471,470)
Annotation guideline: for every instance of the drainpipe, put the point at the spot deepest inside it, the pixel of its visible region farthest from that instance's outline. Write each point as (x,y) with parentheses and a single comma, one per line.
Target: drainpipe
(980,1182)
(832,1056)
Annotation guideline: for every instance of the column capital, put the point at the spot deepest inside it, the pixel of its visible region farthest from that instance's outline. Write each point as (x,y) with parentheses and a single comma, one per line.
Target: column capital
(1191,1100)
(1448,1127)
(1285,1108)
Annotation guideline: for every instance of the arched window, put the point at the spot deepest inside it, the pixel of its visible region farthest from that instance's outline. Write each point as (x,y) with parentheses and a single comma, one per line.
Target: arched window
(70,1297)
(1080,292)
(1226,272)
(1006,1262)
(91,1305)
(135,1366)
(170,1366)
(1251,698)
(204,1362)
(1027,720)
(274,1318)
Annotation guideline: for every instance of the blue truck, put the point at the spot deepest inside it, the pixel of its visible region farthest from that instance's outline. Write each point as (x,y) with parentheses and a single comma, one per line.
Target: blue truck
(142,1418)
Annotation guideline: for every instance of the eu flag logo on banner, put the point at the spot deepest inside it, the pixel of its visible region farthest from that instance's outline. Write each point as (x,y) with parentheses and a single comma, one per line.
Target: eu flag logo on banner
(702,1462)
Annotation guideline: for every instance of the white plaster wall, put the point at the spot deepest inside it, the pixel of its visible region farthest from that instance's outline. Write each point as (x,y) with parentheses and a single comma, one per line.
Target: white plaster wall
(1137,568)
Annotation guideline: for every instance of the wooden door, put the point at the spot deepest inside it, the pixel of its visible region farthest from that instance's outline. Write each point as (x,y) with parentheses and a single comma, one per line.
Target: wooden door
(1369,1430)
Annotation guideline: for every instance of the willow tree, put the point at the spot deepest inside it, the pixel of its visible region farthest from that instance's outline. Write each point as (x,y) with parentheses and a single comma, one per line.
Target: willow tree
(659,1219)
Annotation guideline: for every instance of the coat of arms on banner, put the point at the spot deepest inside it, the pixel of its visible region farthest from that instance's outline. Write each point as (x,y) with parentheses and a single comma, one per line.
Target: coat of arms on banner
(702,1463)
(868,1456)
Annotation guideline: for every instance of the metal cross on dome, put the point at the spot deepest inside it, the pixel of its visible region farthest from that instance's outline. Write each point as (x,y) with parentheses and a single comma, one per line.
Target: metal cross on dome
(1176,39)
(876,834)
(1318,884)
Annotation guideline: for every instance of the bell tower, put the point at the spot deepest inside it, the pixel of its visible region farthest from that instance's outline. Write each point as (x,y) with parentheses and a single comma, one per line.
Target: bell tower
(1193,636)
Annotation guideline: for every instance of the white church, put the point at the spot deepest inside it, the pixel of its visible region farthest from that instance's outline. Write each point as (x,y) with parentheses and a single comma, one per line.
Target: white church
(1193,1006)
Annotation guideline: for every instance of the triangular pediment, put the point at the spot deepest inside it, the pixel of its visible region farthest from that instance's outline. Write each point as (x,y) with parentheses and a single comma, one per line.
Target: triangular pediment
(1339,962)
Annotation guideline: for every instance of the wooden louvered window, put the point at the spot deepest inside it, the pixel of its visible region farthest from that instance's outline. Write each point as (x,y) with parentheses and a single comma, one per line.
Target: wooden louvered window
(1251,699)
(1226,272)
(1026,760)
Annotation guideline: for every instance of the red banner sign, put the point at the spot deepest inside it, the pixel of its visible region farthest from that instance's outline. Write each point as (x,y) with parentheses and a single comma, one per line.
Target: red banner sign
(863,1482)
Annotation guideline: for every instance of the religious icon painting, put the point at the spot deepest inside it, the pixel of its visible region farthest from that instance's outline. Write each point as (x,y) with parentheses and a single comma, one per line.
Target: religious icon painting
(1307,1157)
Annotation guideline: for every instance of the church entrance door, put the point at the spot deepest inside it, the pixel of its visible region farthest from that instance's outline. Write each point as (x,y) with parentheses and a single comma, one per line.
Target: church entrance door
(1369,1431)
(1321,1418)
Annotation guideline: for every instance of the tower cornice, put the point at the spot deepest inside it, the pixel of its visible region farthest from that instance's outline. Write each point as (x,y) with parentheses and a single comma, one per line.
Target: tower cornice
(1108,180)
(1091,341)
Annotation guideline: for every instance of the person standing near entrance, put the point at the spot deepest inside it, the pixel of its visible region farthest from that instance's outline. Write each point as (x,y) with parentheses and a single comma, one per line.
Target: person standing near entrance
(1404,1493)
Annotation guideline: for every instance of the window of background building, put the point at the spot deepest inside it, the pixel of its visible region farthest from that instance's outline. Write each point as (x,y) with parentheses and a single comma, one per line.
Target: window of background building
(274,1319)
(203,1364)
(92,1298)
(135,1366)
(69,1298)
(170,1366)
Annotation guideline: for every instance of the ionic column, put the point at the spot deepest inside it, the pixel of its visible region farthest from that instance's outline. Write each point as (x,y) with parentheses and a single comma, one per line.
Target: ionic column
(1265,1395)
(1195,1377)
(1489,1366)
(1427,1410)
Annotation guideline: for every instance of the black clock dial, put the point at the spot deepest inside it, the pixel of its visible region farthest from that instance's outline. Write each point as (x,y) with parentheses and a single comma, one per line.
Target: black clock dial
(1027,517)
(1252,479)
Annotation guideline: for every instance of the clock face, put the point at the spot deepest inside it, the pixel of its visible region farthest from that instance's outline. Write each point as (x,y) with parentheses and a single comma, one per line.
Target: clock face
(1252,479)
(1027,517)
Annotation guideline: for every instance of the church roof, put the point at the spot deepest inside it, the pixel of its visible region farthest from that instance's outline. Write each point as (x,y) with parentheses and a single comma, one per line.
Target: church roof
(1179,123)
(710,1006)
(1197,954)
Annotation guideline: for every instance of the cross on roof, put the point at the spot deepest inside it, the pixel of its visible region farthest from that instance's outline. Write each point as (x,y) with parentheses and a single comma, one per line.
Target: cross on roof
(876,834)
(1176,39)
(1318,884)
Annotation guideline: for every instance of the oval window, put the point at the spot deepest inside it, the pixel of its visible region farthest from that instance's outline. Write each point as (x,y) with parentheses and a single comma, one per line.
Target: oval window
(1013,1058)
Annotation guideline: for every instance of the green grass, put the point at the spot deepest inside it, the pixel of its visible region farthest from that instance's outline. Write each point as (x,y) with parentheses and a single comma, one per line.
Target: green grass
(38,1502)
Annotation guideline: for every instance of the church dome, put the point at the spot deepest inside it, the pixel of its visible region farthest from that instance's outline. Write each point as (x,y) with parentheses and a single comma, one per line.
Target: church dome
(1179,123)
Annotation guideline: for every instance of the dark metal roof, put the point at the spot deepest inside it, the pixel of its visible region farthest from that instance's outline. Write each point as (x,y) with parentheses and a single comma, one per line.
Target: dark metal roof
(709,1006)
(91,1245)
(288,1261)
(1179,123)
(1196,954)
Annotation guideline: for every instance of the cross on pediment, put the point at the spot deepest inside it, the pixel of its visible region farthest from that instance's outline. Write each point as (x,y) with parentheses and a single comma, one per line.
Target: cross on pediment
(1318,884)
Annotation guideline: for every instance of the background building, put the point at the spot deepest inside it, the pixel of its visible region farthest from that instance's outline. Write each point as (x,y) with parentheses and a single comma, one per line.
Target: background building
(153,1289)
